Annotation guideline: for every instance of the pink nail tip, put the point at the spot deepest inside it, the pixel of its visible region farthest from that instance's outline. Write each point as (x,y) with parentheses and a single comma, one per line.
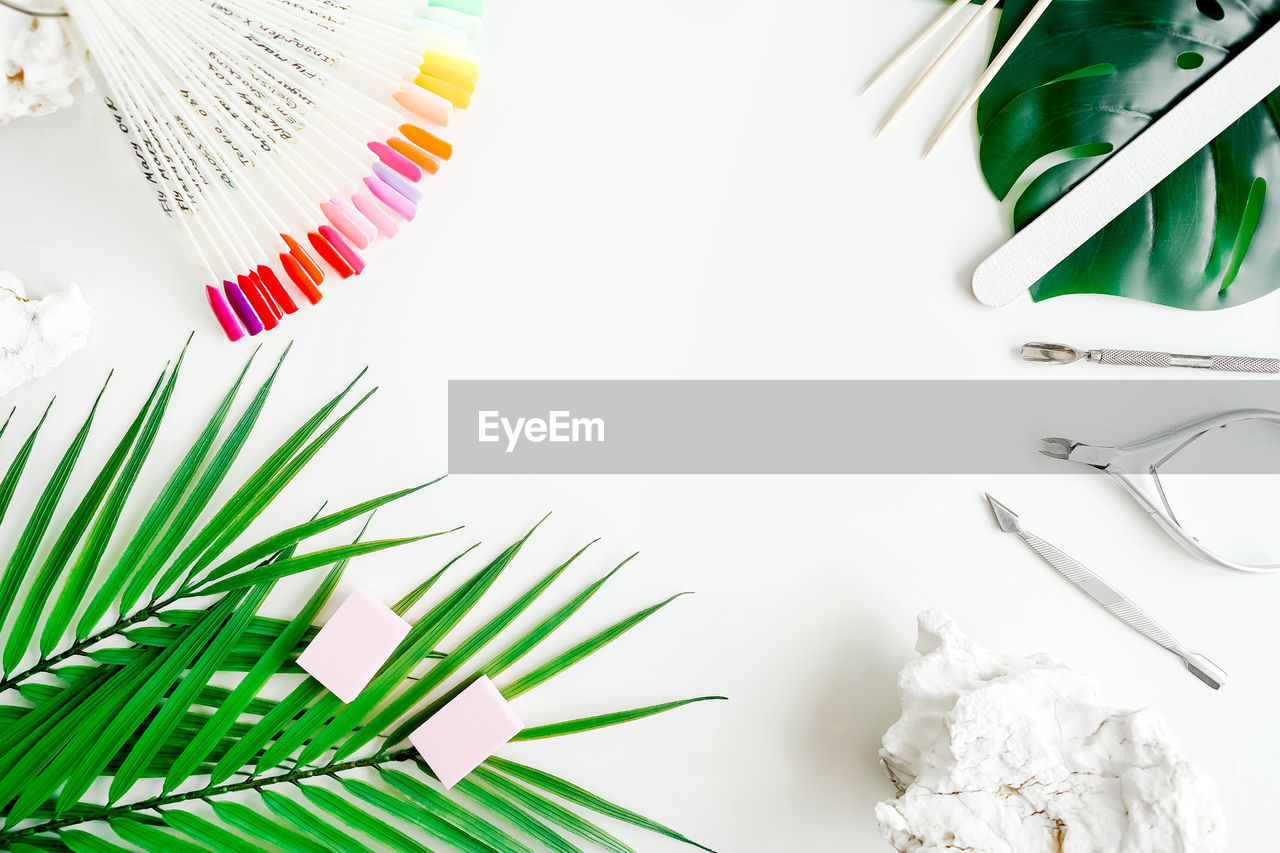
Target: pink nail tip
(225,316)
(426,104)
(385,224)
(397,161)
(392,199)
(342,247)
(361,221)
(464,733)
(353,645)
(345,225)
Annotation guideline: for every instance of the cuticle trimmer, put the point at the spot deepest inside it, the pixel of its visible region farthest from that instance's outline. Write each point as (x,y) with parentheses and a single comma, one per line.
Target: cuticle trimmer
(1115,602)
(1046,353)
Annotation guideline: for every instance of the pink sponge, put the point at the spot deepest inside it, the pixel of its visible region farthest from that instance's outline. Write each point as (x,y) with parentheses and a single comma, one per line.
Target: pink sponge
(462,734)
(353,645)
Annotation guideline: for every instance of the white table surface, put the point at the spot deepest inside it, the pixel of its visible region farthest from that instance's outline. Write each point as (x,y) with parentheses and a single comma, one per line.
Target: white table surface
(691,190)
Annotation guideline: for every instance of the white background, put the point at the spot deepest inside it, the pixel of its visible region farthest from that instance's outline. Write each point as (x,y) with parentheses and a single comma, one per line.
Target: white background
(691,190)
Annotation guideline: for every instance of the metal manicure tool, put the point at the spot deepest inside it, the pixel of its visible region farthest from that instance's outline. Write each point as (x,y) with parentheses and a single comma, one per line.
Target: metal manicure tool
(1137,467)
(1109,597)
(1042,353)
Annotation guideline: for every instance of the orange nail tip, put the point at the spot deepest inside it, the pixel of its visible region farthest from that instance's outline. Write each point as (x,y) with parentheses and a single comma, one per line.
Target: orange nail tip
(303,258)
(300,279)
(331,255)
(428,163)
(427,141)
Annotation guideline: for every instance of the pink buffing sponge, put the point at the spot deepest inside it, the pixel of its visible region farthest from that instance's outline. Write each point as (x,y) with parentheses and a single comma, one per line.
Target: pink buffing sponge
(353,645)
(462,734)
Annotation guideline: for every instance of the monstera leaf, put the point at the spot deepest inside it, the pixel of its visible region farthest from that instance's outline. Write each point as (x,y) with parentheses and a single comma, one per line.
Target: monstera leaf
(1091,76)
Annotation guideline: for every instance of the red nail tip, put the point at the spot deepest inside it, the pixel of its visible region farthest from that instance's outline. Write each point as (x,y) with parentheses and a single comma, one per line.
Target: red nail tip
(222,311)
(339,243)
(272,283)
(265,294)
(265,314)
(300,279)
(300,254)
(331,255)
(396,160)
(244,310)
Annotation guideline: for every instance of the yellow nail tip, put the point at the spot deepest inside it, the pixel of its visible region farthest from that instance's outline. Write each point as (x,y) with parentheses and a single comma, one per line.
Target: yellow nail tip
(455,95)
(451,69)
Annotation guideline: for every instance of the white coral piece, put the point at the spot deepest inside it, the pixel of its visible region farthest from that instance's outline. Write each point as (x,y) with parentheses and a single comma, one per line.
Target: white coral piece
(39,65)
(36,335)
(998,754)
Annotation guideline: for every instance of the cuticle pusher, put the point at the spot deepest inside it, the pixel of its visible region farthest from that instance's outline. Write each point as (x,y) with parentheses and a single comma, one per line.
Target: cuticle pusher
(1047,353)
(1114,601)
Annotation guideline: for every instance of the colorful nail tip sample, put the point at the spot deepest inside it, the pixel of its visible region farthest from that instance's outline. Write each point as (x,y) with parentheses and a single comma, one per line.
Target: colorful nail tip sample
(455,95)
(330,254)
(385,224)
(427,141)
(225,316)
(258,304)
(345,225)
(464,733)
(350,255)
(384,193)
(265,294)
(428,163)
(300,279)
(361,221)
(300,254)
(398,183)
(272,283)
(395,160)
(451,69)
(353,645)
(242,308)
(430,106)
(277,156)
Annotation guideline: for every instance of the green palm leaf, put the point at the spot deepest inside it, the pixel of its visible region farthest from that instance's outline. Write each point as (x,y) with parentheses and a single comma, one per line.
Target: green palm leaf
(1091,76)
(137,689)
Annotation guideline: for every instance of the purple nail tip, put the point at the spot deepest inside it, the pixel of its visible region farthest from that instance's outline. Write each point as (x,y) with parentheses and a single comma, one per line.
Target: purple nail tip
(383,192)
(397,182)
(243,309)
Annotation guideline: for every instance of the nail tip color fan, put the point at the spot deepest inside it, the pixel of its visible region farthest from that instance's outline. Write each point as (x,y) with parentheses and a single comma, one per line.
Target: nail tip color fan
(269,126)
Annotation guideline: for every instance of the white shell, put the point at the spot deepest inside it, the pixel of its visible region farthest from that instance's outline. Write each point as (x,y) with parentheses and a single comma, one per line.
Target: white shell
(36,335)
(998,754)
(39,66)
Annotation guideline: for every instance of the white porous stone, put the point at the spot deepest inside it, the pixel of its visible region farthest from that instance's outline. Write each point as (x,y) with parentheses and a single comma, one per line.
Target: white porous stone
(997,754)
(39,66)
(36,335)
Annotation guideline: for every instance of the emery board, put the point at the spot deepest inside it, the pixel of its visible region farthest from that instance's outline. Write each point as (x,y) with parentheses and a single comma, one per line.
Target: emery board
(1131,172)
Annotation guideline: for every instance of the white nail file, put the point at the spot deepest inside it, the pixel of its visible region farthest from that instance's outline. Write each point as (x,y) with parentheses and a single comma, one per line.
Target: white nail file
(1131,172)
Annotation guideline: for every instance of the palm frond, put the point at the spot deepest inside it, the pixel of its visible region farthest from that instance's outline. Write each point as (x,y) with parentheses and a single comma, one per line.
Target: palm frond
(118,731)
